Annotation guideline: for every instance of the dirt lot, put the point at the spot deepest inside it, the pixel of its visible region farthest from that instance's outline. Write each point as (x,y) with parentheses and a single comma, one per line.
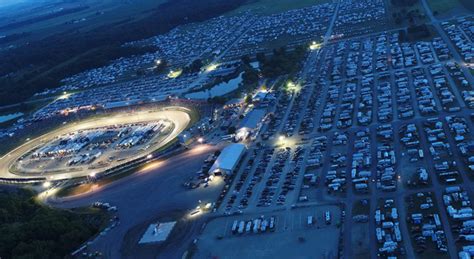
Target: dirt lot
(360,240)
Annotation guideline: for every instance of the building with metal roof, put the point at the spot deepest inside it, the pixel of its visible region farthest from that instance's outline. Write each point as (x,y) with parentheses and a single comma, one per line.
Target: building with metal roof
(252,119)
(251,123)
(228,159)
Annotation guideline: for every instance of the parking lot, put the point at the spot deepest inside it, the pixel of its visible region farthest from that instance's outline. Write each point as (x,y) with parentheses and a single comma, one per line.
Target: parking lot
(291,236)
(402,108)
(372,122)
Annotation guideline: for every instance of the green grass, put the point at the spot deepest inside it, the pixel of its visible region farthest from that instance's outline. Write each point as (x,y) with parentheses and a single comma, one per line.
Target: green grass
(27,108)
(113,11)
(358,208)
(275,6)
(469,4)
(442,6)
(406,9)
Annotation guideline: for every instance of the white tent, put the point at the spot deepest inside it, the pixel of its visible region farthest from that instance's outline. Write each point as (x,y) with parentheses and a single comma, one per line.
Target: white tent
(228,159)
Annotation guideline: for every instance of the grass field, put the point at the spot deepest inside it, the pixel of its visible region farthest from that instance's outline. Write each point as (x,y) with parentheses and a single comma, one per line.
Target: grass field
(443,6)
(405,9)
(440,7)
(275,6)
(99,13)
(27,109)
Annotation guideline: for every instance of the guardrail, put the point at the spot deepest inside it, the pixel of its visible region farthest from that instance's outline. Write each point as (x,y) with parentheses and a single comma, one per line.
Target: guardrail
(100,175)
(22,180)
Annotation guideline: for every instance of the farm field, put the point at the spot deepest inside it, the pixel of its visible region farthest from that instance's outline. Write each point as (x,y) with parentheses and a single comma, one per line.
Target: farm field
(446,7)
(35,22)
(275,6)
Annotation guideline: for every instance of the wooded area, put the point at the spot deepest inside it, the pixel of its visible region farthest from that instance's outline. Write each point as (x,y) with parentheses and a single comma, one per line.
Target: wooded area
(25,70)
(29,230)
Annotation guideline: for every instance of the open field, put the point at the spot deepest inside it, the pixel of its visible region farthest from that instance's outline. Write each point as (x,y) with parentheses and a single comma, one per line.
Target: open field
(179,119)
(448,7)
(275,6)
(443,6)
(26,109)
(86,15)
(360,240)
(403,10)
(78,47)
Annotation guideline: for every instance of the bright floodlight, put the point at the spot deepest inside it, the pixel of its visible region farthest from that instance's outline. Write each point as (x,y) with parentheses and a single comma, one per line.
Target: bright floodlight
(47,184)
(200,140)
(314,46)
(281,138)
(291,86)
(211,67)
(92,175)
(149,156)
(175,74)
(158,62)
(65,95)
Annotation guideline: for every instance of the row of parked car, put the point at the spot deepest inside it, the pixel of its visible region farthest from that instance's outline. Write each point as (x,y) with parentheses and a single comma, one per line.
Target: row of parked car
(387,229)
(460,38)
(425,224)
(361,171)
(250,177)
(256,226)
(458,206)
(387,175)
(460,132)
(336,177)
(441,151)
(275,174)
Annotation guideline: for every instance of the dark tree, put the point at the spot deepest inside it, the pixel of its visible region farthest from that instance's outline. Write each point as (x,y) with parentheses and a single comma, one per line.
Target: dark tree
(245,59)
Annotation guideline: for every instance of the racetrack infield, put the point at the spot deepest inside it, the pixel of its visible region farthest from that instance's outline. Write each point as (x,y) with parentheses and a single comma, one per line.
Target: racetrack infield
(179,117)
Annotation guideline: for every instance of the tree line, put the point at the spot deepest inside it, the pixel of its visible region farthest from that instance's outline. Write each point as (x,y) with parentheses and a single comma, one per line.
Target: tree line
(29,230)
(25,70)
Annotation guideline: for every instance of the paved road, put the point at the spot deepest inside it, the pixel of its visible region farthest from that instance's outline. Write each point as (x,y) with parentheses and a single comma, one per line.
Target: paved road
(146,194)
